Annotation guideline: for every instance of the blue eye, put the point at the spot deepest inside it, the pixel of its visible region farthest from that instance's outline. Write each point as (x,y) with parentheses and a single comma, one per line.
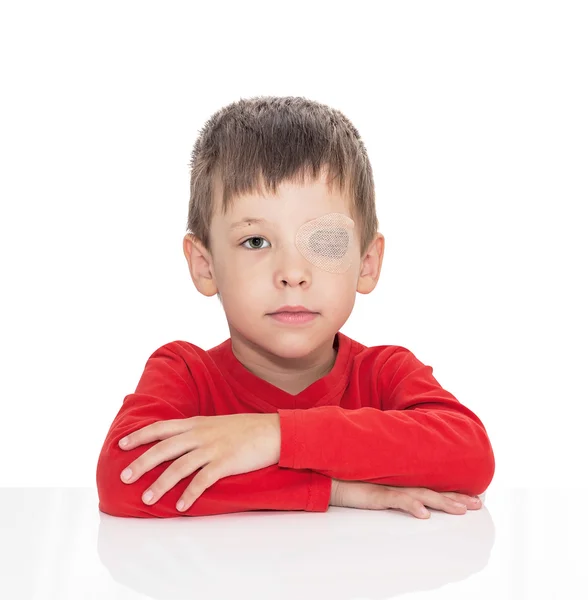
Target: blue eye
(255,245)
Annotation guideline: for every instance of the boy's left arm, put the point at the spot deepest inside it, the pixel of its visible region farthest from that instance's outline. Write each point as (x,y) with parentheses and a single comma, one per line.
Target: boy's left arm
(422,437)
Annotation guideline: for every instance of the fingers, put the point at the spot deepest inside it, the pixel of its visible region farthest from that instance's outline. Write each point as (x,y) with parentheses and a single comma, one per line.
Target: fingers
(167,450)
(156,431)
(449,502)
(201,482)
(184,466)
(472,502)
(415,501)
(160,430)
(419,508)
(411,501)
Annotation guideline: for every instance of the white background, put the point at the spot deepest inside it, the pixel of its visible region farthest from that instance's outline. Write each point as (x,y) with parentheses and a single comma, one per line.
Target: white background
(474,115)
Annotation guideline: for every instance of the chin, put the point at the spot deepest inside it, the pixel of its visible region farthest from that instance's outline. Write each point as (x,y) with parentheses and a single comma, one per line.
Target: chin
(286,347)
(295,342)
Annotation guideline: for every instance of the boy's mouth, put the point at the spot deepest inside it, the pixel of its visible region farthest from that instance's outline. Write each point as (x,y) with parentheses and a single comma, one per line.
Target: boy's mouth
(293,309)
(294,318)
(293,315)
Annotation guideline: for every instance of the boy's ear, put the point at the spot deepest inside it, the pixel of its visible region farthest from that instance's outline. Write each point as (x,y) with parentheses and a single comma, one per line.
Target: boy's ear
(200,265)
(371,264)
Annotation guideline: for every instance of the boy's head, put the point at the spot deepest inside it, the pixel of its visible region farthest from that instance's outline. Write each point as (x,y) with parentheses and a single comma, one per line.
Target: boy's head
(282,212)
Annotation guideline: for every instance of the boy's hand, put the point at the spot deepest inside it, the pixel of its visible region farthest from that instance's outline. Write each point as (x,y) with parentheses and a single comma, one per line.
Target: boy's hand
(359,494)
(226,444)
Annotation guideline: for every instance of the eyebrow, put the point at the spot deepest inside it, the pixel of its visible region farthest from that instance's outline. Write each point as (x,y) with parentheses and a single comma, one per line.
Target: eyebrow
(246,220)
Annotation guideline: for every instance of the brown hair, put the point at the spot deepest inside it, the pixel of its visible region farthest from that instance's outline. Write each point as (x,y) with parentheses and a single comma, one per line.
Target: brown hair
(257,143)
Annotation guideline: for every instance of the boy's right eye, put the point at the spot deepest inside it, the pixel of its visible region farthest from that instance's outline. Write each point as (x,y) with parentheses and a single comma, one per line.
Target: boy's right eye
(256,239)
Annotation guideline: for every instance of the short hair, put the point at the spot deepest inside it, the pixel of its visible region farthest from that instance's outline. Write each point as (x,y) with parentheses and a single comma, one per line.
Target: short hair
(257,143)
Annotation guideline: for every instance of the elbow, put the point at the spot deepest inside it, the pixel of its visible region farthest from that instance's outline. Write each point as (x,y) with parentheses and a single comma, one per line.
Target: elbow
(109,490)
(482,472)
(121,499)
(115,497)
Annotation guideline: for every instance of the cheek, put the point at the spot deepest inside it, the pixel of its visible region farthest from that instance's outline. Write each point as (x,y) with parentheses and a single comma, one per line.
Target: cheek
(242,285)
(337,290)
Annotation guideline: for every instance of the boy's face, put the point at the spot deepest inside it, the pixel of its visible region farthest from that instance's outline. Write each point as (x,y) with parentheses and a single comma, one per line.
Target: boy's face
(259,267)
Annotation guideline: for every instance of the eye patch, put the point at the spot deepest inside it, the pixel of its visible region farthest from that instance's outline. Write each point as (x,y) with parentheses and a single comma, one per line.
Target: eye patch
(329,242)
(326,242)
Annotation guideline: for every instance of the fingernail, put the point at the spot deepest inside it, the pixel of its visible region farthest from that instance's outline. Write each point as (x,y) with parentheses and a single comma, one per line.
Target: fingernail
(423,512)
(147,496)
(124,441)
(180,505)
(126,474)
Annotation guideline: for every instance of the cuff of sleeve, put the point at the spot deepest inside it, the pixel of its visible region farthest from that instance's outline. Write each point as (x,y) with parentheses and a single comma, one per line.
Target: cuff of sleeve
(319,492)
(289,440)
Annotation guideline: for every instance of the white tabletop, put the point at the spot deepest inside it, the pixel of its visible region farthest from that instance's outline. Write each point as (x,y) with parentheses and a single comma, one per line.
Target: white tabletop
(522,544)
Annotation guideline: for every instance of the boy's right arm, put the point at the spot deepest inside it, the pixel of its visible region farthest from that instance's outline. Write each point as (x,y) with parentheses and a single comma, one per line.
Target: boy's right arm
(166,391)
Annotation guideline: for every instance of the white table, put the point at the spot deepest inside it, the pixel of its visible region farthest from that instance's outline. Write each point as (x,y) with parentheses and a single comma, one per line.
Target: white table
(524,543)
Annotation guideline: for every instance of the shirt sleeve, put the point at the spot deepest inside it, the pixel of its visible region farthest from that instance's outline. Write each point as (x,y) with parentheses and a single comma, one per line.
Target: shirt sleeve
(422,437)
(166,391)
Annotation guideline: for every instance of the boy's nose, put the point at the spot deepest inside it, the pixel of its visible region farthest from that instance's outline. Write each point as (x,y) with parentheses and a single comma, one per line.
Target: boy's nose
(294,279)
(292,269)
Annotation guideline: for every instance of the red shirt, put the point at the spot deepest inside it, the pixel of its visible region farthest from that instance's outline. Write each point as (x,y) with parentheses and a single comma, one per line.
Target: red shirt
(378,416)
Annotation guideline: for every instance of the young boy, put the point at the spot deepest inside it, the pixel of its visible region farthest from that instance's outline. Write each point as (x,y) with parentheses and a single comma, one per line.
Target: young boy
(287,412)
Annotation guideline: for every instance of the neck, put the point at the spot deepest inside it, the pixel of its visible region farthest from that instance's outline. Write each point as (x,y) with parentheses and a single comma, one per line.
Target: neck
(289,374)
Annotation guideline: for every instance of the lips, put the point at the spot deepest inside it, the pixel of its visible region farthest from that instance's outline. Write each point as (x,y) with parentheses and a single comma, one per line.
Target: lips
(294,317)
(293,309)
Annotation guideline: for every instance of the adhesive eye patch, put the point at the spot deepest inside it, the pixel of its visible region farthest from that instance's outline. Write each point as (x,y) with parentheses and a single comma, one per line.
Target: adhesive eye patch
(326,242)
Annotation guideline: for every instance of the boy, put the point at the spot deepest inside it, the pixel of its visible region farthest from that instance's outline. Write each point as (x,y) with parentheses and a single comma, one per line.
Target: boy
(288,413)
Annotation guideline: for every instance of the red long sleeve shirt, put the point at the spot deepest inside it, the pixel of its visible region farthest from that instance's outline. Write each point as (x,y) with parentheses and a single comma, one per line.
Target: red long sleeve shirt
(378,416)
